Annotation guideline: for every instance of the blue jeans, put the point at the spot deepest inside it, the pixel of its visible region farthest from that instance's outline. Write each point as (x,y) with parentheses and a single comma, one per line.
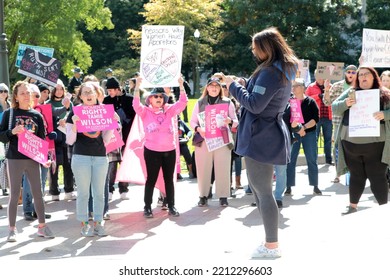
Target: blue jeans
(90,172)
(281,180)
(327,127)
(309,143)
(28,205)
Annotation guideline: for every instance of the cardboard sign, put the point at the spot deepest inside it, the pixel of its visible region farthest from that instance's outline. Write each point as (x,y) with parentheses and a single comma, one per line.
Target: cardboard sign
(115,142)
(296,111)
(161,55)
(95,118)
(22,48)
(40,67)
(33,147)
(330,70)
(361,120)
(376,48)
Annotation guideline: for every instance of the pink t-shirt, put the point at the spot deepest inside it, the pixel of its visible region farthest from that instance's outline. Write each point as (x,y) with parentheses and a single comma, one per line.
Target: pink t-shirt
(159,124)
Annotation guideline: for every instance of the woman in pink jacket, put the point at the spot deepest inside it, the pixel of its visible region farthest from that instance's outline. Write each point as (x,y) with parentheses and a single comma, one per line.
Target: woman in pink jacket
(159,120)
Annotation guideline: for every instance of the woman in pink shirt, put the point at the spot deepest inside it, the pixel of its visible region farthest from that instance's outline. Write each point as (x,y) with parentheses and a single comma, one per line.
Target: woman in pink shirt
(159,120)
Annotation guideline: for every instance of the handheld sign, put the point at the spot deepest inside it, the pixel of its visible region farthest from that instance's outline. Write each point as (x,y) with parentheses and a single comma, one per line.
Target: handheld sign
(40,67)
(33,147)
(22,48)
(296,111)
(161,55)
(330,70)
(376,48)
(114,143)
(95,118)
(214,119)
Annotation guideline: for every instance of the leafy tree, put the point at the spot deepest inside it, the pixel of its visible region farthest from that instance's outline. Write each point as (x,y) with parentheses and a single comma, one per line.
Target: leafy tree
(53,23)
(378,14)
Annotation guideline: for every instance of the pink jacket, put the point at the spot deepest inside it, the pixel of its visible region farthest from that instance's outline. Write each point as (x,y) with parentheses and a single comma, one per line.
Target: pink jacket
(159,124)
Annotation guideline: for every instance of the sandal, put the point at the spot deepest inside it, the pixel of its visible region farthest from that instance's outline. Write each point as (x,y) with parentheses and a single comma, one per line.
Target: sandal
(336,180)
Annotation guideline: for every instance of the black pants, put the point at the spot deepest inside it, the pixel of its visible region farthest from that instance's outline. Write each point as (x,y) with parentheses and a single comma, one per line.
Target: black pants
(364,162)
(68,174)
(154,161)
(185,152)
(122,186)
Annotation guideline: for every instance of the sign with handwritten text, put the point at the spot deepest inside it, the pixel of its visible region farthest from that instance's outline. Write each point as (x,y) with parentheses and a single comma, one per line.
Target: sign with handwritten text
(161,55)
(95,118)
(361,120)
(330,70)
(33,147)
(376,48)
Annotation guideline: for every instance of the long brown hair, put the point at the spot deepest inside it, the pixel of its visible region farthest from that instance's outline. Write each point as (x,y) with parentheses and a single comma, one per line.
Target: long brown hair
(377,83)
(271,43)
(14,103)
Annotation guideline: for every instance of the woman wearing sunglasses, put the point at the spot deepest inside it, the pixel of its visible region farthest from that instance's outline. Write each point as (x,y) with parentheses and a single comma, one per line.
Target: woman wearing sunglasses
(160,125)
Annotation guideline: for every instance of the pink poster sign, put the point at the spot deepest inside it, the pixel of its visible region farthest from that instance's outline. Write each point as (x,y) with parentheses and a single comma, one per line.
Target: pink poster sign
(95,118)
(46,111)
(33,147)
(214,119)
(296,111)
(114,143)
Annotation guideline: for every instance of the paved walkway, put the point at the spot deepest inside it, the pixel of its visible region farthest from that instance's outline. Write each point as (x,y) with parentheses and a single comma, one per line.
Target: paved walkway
(316,241)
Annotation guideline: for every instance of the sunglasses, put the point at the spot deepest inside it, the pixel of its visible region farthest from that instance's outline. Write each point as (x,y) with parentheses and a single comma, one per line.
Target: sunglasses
(158,96)
(351,72)
(3,91)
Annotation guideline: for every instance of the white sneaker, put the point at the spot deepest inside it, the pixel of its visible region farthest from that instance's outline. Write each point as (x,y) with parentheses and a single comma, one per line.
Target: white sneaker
(70,196)
(110,196)
(86,230)
(55,198)
(263,252)
(124,196)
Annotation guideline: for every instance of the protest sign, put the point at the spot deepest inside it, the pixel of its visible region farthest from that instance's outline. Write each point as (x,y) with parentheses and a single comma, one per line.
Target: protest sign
(22,48)
(161,55)
(114,143)
(40,67)
(361,120)
(375,48)
(33,147)
(330,70)
(95,118)
(214,119)
(304,71)
(296,111)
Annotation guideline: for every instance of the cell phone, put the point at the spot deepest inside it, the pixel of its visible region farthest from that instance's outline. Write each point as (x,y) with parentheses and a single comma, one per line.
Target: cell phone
(352,94)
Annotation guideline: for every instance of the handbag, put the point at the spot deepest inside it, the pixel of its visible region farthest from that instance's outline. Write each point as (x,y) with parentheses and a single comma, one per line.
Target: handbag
(4,182)
(197,140)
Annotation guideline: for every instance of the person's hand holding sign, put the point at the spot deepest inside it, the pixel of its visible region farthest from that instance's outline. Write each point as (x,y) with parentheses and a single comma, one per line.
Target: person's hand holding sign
(75,119)
(17,129)
(379,115)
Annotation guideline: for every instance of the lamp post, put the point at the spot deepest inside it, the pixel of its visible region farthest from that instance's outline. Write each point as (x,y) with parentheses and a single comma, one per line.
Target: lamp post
(196,86)
(4,74)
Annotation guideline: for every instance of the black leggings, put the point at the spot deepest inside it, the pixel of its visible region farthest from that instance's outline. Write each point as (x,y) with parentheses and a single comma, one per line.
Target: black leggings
(154,161)
(364,162)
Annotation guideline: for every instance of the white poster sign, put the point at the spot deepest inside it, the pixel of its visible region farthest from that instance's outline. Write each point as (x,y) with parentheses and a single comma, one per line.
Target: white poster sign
(376,48)
(161,55)
(361,120)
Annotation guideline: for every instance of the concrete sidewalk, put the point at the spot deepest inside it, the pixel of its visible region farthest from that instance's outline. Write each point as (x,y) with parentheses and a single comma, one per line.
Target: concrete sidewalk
(316,241)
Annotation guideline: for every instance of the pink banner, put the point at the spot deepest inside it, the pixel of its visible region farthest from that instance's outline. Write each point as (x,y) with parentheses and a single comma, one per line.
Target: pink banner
(95,118)
(214,119)
(296,111)
(33,147)
(47,113)
(115,142)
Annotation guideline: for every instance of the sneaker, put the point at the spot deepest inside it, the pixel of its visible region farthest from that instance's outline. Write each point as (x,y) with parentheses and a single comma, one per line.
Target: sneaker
(148,213)
(124,196)
(179,177)
(70,196)
(45,232)
(86,230)
(11,235)
(349,210)
(248,191)
(263,252)
(288,191)
(279,203)
(5,192)
(160,201)
(28,216)
(202,201)
(164,206)
(110,196)
(106,217)
(99,230)
(223,202)
(173,212)
(253,204)
(316,191)
(35,215)
(55,198)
